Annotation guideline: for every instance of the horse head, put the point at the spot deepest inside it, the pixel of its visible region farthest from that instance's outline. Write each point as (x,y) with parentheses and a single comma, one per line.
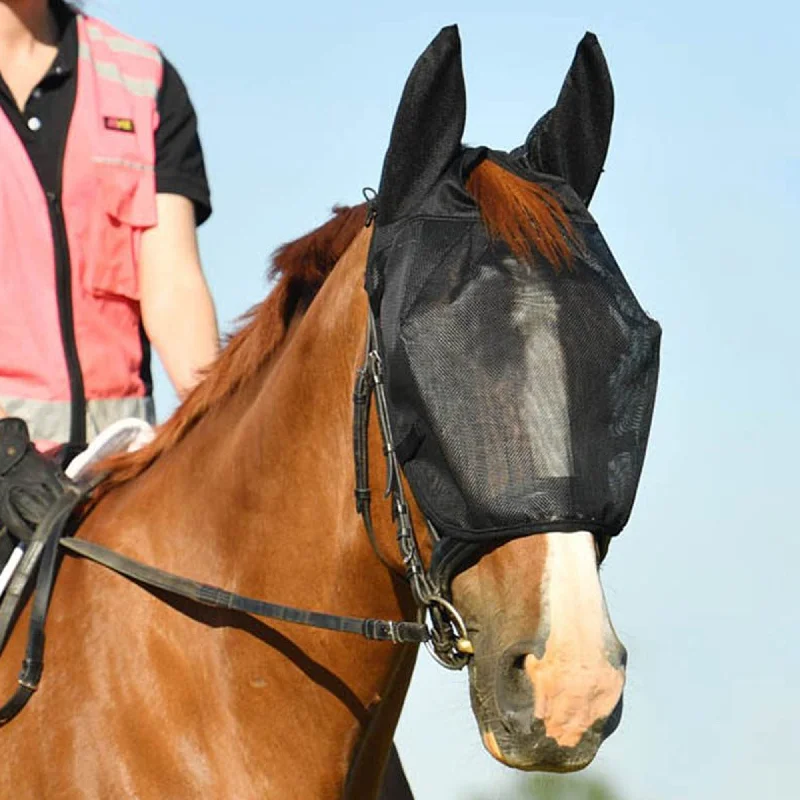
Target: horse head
(520,374)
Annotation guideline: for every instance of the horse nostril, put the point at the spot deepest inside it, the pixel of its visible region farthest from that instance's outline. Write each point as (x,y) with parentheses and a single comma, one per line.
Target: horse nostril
(618,656)
(514,690)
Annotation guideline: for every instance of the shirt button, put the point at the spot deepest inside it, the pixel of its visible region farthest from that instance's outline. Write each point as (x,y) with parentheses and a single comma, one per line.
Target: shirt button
(34,124)
(36,93)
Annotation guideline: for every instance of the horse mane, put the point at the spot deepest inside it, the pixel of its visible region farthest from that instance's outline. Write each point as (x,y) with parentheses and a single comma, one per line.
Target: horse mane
(526,216)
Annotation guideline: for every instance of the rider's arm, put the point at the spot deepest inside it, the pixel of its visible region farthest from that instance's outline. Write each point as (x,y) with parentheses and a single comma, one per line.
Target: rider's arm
(177,309)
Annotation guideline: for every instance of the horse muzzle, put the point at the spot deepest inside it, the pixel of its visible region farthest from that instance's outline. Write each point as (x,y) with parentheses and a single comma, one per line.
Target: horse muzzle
(547,713)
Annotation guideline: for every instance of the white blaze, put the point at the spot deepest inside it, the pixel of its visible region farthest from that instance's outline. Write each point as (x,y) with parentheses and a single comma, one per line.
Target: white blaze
(574,682)
(535,314)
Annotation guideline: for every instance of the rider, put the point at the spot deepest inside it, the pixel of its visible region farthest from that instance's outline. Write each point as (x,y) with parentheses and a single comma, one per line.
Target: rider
(102,183)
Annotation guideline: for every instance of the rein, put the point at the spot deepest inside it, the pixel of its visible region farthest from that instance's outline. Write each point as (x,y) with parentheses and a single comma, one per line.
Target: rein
(399,632)
(42,552)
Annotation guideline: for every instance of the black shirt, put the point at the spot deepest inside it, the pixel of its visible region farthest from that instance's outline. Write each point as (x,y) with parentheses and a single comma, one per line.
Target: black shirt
(43,124)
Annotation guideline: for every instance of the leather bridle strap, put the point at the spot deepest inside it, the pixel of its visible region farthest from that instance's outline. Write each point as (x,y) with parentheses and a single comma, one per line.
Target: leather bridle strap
(398,632)
(42,552)
(448,637)
(362,396)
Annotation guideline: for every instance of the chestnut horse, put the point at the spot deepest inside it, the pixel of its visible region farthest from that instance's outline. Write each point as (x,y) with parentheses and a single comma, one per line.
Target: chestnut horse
(250,486)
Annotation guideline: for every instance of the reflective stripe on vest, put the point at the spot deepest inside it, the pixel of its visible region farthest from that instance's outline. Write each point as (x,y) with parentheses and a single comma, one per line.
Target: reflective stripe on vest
(140,87)
(52,417)
(108,198)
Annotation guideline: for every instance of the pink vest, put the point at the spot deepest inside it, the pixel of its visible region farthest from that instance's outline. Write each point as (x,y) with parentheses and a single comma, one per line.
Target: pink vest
(108,198)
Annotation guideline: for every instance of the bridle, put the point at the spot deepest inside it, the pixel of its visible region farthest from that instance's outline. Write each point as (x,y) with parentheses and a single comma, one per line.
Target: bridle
(449,640)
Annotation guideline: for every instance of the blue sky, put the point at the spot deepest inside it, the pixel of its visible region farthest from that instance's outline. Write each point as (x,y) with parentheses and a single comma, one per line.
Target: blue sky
(700,204)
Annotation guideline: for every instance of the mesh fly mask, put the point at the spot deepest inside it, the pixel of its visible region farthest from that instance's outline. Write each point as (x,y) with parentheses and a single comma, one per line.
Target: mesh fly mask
(519,396)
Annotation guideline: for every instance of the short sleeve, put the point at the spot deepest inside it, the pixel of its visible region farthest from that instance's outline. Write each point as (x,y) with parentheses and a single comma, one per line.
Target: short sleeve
(180,168)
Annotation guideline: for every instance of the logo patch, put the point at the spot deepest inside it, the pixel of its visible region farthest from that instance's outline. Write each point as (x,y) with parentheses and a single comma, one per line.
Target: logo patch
(119,124)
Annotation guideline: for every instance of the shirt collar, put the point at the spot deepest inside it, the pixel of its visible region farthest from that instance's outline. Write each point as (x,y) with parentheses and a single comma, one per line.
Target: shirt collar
(66,60)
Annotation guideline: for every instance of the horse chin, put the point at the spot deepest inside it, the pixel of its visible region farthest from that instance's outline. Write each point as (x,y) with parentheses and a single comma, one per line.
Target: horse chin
(543,755)
(537,752)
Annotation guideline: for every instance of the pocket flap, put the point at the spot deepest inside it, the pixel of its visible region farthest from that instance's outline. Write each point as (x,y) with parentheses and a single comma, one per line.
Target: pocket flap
(128,193)
(126,206)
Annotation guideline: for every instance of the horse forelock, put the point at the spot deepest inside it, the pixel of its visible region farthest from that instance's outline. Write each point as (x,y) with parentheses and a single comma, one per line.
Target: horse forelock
(524,215)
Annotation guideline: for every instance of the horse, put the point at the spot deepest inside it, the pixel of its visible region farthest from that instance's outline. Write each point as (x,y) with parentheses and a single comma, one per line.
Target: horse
(250,485)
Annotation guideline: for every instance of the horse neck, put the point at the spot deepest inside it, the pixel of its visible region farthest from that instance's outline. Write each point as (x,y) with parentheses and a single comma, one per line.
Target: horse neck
(295,439)
(258,498)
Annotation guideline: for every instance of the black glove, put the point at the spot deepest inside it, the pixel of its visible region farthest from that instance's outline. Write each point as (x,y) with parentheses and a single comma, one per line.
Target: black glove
(29,482)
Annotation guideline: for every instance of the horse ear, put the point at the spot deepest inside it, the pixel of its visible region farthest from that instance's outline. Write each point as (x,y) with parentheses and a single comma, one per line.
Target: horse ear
(571,140)
(427,130)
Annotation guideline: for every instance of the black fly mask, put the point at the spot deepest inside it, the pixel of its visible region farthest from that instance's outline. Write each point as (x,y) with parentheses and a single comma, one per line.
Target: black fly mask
(520,396)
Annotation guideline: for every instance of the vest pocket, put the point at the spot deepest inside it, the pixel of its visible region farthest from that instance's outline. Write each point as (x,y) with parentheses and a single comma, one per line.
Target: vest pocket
(126,206)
